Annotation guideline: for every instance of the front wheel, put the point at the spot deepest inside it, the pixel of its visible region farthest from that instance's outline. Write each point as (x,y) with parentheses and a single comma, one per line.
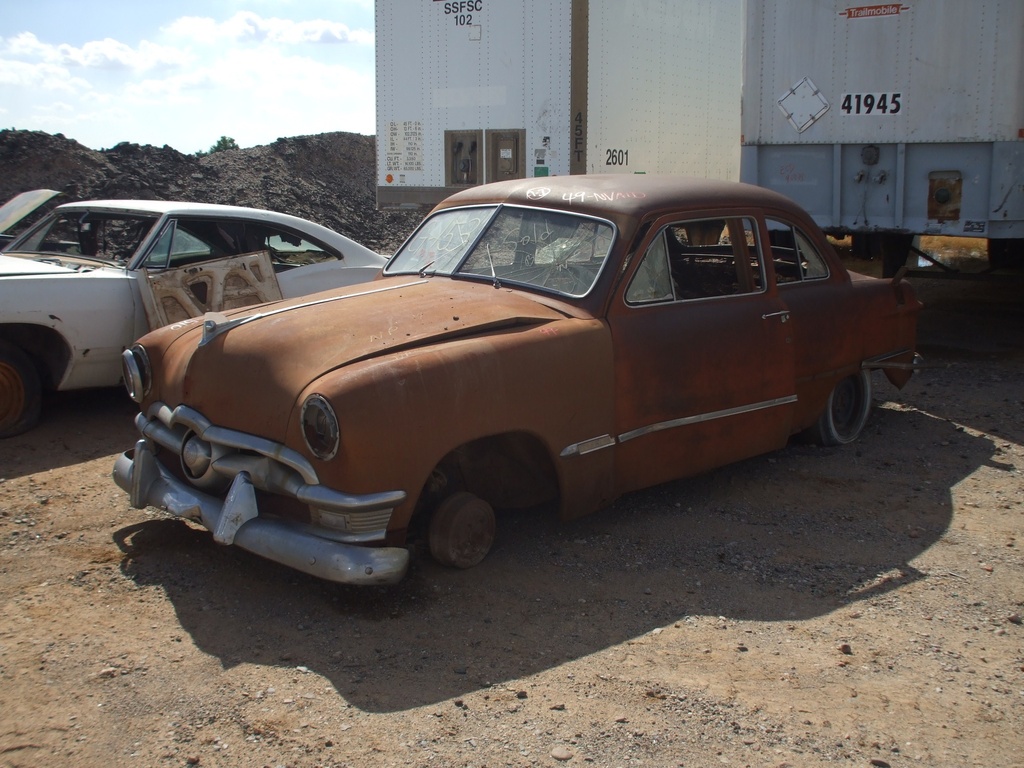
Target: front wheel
(846,411)
(461,530)
(20,392)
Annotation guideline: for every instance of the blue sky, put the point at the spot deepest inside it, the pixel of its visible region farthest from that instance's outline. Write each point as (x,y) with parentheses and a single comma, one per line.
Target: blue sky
(184,72)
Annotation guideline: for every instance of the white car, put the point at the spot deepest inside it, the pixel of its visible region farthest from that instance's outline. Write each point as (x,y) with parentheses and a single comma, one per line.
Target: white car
(82,284)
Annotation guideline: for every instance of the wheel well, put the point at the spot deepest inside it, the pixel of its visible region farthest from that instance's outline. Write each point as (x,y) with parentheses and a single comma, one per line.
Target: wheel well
(47,349)
(510,471)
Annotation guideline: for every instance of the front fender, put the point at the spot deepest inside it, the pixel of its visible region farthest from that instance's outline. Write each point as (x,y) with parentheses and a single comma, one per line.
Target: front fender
(400,414)
(94,313)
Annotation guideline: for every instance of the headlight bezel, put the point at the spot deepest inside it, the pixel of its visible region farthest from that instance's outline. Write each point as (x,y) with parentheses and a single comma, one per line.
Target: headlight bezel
(320,429)
(136,372)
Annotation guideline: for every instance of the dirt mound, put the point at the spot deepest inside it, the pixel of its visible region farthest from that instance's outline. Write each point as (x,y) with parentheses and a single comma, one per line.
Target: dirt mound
(327,178)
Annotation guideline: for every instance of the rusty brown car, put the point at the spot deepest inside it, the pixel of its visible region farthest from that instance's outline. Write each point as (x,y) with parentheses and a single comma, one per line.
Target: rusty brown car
(554,342)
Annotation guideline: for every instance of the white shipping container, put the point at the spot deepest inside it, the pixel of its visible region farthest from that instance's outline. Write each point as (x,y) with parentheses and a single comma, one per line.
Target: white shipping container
(471,91)
(890,120)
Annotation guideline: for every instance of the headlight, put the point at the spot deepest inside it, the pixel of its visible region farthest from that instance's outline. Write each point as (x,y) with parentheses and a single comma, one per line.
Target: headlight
(136,372)
(320,427)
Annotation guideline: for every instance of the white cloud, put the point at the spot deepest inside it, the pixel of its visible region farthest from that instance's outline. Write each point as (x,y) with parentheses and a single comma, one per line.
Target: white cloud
(111,54)
(258,96)
(252,78)
(45,76)
(247,26)
(96,54)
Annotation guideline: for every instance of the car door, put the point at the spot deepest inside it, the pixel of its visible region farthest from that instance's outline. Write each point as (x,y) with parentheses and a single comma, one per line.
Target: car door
(704,364)
(205,265)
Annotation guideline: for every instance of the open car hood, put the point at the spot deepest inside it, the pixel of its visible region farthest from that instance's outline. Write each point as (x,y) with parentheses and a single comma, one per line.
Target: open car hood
(20,206)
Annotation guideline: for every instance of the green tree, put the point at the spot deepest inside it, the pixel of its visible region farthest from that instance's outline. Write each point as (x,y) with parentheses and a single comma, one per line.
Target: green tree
(224,142)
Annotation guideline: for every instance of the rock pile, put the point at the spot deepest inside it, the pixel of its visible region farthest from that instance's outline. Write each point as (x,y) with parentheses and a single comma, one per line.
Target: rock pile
(327,178)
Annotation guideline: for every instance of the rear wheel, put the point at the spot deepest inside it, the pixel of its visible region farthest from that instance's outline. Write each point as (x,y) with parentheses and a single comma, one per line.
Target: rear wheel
(846,412)
(20,392)
(461,530)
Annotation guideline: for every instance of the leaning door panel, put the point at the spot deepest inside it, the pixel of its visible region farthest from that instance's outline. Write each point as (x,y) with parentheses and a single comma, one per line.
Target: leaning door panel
(173,295)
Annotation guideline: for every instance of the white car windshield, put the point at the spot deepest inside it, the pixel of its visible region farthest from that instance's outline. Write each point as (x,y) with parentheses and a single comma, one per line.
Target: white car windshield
(551,250)
(99,235)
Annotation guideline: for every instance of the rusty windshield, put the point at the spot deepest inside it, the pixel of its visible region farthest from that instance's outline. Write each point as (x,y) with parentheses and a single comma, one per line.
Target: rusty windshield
(549,250)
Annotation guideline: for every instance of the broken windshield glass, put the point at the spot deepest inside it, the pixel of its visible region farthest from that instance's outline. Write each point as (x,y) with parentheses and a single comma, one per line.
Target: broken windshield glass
(551,250)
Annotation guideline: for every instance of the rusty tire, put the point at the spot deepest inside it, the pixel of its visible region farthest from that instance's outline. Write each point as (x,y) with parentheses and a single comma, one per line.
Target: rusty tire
(846,412)
(461,530)
(20,391)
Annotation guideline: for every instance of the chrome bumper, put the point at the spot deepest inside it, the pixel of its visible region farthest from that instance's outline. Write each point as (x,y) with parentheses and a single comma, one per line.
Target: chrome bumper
(236,520)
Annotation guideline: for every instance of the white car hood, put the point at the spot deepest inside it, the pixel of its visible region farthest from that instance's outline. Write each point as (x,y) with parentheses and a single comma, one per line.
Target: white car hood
(20,206)
(12,265)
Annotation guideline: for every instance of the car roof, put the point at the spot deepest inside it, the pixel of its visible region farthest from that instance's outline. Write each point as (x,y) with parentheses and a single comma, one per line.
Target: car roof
(170,207)
(329,236)
(615,196)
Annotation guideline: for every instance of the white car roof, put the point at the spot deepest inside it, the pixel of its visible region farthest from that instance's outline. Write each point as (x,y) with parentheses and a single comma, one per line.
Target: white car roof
(178,208)
(173,207)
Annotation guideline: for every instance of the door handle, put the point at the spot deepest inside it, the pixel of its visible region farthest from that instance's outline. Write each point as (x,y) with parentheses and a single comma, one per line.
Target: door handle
(784,314)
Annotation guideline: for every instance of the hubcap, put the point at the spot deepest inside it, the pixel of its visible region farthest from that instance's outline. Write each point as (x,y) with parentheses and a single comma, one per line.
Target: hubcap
(844,405)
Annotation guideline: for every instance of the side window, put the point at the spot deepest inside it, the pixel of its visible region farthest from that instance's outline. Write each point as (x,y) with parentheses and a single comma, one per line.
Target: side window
(703,258)
(189,241)
(811,262)
(793,255)
(652,281)
(291,250)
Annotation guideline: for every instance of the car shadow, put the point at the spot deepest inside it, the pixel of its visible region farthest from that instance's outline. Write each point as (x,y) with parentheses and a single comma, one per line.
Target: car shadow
(792,535)
(75,427)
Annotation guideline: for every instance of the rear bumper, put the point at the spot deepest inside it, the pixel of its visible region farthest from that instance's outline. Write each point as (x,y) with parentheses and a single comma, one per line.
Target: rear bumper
(898,366)
(235,520)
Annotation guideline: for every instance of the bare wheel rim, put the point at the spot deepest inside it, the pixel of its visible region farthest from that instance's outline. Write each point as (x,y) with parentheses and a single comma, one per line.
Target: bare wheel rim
(462,530)
(848,407)
(12,395)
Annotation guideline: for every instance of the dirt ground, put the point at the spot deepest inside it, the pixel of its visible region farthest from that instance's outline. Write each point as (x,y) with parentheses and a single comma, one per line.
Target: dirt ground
(857,606)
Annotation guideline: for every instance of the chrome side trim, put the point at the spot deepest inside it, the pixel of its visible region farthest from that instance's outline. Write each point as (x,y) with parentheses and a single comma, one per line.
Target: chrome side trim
(701,417)
(584,447)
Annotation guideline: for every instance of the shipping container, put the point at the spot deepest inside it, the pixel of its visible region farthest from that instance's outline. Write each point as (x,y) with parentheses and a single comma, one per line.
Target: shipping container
(472,91)
(890,121)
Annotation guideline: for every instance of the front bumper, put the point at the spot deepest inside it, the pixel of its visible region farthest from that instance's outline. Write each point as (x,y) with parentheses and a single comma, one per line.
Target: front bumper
(235,519)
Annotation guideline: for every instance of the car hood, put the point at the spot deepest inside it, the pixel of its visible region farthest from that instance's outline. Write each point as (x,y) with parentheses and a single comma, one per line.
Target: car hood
(20,206)
(248,375)
(13,264)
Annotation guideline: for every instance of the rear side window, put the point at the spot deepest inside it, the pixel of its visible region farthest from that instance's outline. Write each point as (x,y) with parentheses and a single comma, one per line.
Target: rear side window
(188,241)
(699,259)
(794,257)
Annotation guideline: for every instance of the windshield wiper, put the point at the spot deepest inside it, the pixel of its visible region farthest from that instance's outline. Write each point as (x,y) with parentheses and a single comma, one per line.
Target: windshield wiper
(494,276)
